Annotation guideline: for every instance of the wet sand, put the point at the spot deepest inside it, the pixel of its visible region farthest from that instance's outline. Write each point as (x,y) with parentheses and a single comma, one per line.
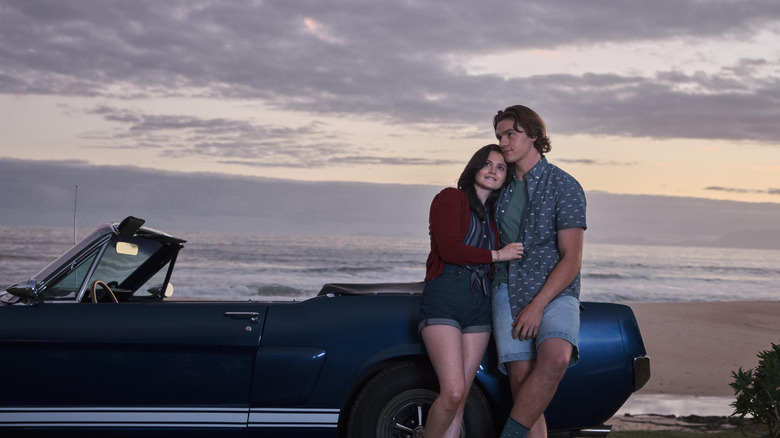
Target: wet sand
(694,347)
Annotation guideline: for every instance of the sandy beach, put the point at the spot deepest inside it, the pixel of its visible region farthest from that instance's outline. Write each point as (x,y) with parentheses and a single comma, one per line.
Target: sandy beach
(693,348)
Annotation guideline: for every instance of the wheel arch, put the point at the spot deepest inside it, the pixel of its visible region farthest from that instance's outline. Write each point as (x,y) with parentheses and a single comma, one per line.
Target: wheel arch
(369,373)
(420,360)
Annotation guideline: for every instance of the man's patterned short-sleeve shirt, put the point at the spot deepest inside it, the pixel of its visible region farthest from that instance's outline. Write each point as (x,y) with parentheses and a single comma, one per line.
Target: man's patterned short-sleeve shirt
(555,201)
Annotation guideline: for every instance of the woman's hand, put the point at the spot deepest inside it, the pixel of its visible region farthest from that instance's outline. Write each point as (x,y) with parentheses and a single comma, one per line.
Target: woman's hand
(513,251)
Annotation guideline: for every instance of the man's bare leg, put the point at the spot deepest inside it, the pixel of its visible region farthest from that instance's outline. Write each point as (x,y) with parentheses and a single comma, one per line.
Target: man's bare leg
(534,383)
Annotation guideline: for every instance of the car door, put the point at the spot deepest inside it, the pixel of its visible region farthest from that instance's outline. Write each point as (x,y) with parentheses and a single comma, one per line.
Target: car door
(172,364)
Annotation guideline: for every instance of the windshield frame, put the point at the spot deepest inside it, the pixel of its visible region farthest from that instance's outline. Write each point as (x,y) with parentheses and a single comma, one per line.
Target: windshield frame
(72,257)
(91,251)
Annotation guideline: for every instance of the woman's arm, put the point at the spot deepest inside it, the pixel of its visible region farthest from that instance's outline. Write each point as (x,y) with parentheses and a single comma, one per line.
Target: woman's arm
(449,211)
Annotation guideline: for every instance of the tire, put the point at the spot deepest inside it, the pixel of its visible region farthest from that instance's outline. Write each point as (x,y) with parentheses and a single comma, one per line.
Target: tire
(395,404)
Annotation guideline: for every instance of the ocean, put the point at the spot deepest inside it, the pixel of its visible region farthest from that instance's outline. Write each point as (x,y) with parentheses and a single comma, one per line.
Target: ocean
(294,267)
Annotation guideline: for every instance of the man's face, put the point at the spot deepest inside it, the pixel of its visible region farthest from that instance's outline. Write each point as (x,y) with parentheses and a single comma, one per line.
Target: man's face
(515,144)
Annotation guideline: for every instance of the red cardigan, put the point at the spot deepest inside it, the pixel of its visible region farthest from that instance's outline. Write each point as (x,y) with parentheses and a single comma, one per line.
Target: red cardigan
(449,221)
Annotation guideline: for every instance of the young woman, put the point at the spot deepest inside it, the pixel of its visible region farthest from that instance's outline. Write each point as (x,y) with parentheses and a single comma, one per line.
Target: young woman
(455,318)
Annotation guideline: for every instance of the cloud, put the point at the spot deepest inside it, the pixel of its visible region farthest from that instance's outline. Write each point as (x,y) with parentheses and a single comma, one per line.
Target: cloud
(237,142)
(389,60)
(216,202)
(234,141)
(742,190)
(590,162)
(201,201)
(405,161)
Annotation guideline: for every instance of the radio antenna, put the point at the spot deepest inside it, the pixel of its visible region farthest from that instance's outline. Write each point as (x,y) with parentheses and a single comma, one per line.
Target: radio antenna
(75,201)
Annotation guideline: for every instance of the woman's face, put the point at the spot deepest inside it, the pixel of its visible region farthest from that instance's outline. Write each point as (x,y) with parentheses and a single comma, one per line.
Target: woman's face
(493,173)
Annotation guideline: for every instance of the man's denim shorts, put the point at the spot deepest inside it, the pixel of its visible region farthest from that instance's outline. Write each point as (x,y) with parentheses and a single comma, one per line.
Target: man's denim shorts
(561,320)
(448,300)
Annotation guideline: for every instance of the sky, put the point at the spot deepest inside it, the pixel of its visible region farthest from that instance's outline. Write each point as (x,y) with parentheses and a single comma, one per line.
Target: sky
(40,193)
(667,97)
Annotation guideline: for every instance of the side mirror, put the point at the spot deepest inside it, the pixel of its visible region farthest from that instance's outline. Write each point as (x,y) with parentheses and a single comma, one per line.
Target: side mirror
(25,289)
(157,291)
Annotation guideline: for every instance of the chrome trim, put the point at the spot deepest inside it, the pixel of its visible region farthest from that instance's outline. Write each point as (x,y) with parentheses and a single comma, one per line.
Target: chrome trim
(593,432)
(122,417)
(253,317)
(596,432)
(157,417)
(271,417)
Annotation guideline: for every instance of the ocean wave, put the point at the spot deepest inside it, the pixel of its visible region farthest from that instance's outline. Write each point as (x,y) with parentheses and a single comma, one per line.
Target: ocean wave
(265,292)
(15,257)
(612,276)
(278,290)
(348,269)
(224,266)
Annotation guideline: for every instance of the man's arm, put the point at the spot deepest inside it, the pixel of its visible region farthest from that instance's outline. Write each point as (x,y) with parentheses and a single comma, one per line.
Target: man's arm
(570,244)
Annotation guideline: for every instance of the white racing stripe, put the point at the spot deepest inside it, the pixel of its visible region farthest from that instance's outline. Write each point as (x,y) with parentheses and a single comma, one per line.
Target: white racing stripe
(158,417)
(270,417)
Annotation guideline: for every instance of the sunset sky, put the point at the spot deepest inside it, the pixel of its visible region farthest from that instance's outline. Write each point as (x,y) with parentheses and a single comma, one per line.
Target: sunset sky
(667,97)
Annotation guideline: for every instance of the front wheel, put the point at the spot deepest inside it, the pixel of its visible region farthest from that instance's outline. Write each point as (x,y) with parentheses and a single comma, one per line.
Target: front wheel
(395,404)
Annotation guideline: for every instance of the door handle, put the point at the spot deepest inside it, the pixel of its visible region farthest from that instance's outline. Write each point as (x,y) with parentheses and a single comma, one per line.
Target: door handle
(253,317)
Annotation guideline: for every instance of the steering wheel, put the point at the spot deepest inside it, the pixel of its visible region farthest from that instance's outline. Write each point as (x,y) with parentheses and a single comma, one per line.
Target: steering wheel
(104,286)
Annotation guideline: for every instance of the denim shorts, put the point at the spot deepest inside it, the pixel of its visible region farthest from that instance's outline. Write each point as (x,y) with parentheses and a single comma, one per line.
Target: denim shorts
(561,320)
(448,300)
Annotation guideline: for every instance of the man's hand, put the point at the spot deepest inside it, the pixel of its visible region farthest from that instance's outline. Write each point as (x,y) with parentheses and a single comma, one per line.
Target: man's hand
(570,243)
(526,325)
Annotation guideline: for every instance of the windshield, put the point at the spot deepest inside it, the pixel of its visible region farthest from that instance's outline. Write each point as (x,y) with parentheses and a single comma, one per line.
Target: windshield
(124,270)
(64,259)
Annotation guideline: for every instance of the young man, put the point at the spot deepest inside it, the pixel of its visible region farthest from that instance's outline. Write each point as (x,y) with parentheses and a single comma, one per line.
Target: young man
(536,299)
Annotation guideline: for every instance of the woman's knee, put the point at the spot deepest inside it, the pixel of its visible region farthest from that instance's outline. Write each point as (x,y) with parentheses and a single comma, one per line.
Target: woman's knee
(453,396)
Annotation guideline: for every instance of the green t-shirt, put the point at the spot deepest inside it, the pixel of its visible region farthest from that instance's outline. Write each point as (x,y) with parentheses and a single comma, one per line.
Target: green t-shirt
(511,221)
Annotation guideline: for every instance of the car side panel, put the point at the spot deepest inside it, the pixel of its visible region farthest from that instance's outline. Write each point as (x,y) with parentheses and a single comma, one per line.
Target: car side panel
(355,332)
(296,369)
(358,332)
(303,372)
(596,387)
(176,364)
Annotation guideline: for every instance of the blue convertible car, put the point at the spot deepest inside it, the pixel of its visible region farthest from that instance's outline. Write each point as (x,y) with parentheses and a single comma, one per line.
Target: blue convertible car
(94,345)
